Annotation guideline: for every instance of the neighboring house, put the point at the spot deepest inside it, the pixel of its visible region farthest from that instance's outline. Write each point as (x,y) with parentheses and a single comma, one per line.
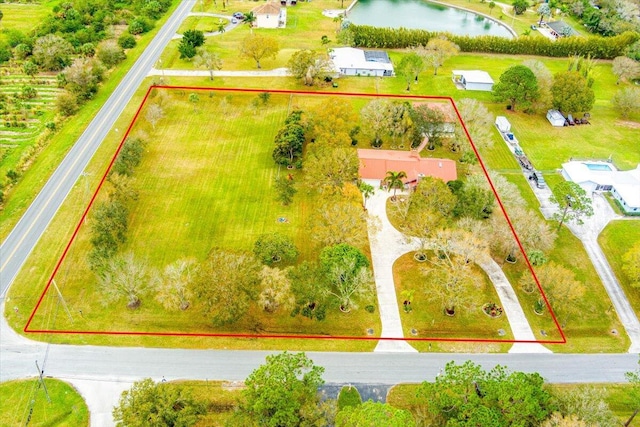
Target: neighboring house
(349,61)
(561,29)
(556,118)
(448,114)
(473,80)
(603,176)
(374,164)
(270,15)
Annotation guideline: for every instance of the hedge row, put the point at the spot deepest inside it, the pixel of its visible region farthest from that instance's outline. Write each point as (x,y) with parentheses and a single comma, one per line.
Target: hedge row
(594,46)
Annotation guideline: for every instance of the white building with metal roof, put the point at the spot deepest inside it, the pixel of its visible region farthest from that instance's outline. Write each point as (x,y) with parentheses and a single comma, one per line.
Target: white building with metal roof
(349,61)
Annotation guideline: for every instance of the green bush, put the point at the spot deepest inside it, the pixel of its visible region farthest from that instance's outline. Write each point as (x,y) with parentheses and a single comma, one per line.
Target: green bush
(349,396)
(127,41)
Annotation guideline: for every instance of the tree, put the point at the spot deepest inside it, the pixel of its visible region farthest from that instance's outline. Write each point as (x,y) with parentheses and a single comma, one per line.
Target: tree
(437,51)
(82,78)
(174,284)
(492,5)
(149,404)
(572,201)
(124,276)
(258,47)
(275,290)
(226,285)
(543,10)
(187,51)
(393,180)
(631,265)
(221,26)
(367,191)
(634,393)
(29,68)
(154,114)
(66,103)
(52,52)
(308,287)
(474,198)
(559,420)
(108,230)
(249,19)
(328,169)
(339,220)
(626,101)
(478,121)
(129,156)
(571,93)
(208,60)
(285,190)
(560,286)
(194,99)
(375,118)
(289,141)
(625,68)
(111,53)
(347,270)
(545,81)
(127,41)
(520,6)
(518,85)
(427,123)
(410,66)
(466,395)
(274,247)
(332,121)
(587,404)
(193,37)
(309,66)
(283,392)
(374,414)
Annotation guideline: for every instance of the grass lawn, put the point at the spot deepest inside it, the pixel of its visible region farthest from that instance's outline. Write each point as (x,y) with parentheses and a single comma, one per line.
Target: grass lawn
(427,316)
(25,17)
(615,240)
(17,398)
(213,179)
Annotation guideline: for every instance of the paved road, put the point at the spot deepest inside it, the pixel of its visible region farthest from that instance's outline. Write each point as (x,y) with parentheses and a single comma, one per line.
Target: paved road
(21,241)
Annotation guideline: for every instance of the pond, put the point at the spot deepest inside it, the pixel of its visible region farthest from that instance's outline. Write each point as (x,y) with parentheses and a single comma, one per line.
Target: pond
(420,14)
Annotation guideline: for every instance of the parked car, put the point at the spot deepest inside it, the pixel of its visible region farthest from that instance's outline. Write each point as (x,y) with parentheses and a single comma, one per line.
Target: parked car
(234,21)
(238,15)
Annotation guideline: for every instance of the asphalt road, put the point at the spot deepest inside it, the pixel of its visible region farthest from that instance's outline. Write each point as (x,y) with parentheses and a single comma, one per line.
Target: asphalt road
(23,238)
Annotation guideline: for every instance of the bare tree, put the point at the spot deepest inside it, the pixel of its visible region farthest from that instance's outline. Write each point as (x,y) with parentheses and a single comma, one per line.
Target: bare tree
(154,114)
(275,291)
(208,60)
(174,284)
(124,277)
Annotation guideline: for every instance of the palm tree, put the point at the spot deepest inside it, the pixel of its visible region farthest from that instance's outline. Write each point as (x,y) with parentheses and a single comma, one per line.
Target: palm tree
(249,19)
(394,180)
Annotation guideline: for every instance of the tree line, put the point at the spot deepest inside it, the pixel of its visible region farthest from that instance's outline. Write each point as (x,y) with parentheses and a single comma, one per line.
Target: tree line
(398,38)
(285,392)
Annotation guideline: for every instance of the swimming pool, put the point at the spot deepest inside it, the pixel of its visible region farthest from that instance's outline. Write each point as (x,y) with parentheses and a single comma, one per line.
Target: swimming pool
(598,167)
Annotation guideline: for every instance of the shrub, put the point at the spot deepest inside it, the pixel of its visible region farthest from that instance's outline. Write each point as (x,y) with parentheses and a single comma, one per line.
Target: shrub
(127,41)
(349,396)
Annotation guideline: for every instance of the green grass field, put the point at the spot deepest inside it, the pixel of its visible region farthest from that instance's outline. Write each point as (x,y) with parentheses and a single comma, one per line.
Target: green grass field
(19,398)
(213,178)
(615,240)
(25,16)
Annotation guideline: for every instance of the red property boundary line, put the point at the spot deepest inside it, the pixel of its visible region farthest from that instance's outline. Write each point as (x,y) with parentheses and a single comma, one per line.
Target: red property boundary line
(27,329)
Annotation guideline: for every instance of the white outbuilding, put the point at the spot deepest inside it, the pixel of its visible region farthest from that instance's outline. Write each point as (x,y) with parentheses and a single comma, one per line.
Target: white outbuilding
(473,80)
(555,118)
(270,15)
(349,61)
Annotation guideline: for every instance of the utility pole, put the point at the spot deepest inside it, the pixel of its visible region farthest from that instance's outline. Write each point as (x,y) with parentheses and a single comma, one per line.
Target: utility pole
(61,298)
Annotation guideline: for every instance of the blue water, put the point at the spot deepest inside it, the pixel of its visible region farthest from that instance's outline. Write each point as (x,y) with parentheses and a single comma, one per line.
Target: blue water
(597,167)
(420,14)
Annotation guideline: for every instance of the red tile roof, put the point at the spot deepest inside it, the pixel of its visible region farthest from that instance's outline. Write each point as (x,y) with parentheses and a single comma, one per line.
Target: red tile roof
(374,164)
